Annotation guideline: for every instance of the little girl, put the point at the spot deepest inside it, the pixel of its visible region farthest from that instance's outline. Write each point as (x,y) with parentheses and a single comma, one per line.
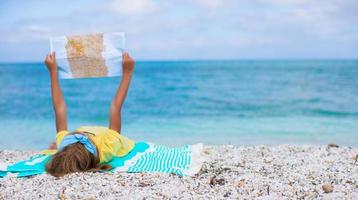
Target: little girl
(87,148)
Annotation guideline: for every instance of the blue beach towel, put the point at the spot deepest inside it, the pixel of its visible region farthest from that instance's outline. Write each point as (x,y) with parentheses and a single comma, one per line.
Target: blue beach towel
(145,157)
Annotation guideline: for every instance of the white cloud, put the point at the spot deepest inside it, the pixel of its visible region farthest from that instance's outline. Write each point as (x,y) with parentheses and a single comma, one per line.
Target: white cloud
(134,7)
(210,3)
(25,33)
(203,28)
(216,4)
(35,28)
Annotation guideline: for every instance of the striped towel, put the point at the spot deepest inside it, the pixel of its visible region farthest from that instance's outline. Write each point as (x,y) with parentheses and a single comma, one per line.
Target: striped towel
(145,157)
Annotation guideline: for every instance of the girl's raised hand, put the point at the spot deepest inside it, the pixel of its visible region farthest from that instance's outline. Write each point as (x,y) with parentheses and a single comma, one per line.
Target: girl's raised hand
(50,62)
(127,64)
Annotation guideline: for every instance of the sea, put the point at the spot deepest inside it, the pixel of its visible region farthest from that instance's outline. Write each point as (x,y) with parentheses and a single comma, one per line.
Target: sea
(236,102)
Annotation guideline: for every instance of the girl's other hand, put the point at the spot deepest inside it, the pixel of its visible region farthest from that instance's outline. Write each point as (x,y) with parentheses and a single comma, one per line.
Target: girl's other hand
(127,64)
(53,146)
(50,62)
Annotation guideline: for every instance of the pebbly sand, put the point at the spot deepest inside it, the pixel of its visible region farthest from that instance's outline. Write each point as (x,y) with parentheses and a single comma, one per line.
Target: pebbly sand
(263,172)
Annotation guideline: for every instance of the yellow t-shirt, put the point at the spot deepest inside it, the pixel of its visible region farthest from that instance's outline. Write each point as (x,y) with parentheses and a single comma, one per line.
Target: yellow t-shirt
(109,142)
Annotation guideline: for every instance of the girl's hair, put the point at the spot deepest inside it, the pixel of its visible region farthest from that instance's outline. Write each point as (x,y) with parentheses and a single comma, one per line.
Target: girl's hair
(74,158)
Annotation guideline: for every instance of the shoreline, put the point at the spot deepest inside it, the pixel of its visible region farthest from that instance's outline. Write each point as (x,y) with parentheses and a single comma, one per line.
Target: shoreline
(270,172)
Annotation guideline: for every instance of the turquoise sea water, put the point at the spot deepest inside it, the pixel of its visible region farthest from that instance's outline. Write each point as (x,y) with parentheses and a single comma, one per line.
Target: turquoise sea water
(172,103)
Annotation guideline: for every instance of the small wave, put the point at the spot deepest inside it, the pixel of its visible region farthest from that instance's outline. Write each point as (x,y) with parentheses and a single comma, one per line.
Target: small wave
(334,113)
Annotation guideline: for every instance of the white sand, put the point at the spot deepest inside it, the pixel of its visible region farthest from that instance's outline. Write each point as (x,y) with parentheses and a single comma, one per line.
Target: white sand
(277,172)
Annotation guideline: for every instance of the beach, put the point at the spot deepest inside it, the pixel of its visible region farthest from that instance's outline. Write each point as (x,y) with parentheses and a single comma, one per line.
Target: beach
(229,172)
(203,99)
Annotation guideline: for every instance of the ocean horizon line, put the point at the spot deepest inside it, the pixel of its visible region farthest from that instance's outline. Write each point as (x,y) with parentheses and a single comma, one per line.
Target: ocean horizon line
(217,60)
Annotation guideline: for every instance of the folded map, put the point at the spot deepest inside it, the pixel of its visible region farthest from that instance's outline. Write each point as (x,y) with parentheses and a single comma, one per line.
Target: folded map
(91,55)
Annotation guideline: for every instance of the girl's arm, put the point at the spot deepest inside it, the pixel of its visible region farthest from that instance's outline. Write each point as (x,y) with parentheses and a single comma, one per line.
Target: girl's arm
(117,102)
(58,101)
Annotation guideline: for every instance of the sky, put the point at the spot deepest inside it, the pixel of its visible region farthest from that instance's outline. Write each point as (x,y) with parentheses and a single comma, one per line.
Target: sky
(187,29)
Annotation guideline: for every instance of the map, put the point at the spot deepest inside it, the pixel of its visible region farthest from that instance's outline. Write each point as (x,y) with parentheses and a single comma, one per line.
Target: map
(84,54)
(91,55)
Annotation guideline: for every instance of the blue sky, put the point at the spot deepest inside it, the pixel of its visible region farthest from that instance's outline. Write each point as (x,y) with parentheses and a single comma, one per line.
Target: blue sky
(187,29)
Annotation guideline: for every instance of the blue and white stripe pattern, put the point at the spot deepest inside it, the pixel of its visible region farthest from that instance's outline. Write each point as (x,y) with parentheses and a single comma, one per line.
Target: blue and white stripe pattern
(169,160)
(145,157)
